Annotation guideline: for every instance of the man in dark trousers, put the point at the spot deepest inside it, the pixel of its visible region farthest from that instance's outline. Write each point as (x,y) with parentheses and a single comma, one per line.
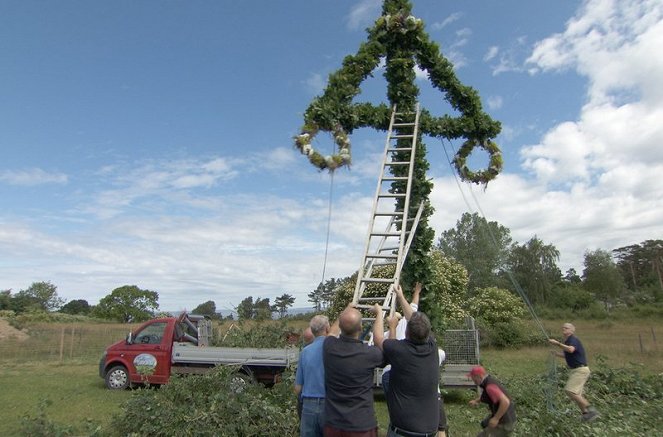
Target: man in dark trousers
(502,418)
(576,360)
(349,365)
(412,397)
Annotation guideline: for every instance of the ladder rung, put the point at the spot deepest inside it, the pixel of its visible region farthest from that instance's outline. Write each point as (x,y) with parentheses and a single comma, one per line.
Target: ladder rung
(368,299)
(382,264)
(389,214)
(397,163)
(400,137)
(378,280)
(392,195)
(394,178)
(381,256)
(402,124)
(385,234)
(399,149)
(389,248)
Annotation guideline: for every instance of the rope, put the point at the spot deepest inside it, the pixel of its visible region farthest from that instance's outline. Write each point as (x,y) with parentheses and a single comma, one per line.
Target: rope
(549,391)
(329,216)
(513,280)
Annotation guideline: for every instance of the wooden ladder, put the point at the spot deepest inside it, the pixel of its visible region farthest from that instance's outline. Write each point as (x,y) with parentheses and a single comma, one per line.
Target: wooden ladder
(390,230)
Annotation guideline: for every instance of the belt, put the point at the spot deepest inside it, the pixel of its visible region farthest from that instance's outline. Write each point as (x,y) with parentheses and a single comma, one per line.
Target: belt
(404,433)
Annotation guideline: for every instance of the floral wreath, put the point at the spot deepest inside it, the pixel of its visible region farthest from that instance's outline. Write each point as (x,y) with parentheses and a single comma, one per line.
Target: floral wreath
(331,162)
(483,176)
(399,22)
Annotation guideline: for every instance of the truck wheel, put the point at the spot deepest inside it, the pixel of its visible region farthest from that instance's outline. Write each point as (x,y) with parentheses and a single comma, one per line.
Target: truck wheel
(117,378)
(239,381)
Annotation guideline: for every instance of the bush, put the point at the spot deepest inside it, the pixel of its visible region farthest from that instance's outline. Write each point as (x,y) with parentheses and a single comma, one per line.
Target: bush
(508,334)
(217,403)
(628,402)
(260,335)
(41,425)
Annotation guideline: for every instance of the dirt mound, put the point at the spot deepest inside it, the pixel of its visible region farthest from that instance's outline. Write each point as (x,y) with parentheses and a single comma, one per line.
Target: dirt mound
(8,331)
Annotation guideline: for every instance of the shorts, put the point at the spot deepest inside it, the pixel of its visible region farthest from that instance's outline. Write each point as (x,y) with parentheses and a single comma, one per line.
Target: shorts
(577,379)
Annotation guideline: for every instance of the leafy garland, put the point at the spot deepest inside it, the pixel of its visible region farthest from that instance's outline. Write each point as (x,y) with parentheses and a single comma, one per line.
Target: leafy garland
(331,162)
(399,37)
(484,176)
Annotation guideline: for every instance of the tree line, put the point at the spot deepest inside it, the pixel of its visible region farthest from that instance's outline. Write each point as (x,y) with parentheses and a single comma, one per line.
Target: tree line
(128,304)
(626,275)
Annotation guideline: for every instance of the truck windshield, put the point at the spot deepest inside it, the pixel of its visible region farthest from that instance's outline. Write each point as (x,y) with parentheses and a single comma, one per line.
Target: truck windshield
(152,334)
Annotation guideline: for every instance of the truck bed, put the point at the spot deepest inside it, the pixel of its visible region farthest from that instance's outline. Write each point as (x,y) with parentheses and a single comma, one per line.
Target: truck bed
(187,353)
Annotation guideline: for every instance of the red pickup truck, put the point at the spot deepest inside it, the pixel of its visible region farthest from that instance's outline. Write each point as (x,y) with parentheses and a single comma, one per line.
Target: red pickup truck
(162,347)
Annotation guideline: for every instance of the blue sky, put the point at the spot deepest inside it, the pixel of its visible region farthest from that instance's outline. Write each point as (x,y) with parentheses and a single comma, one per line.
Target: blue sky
(150,142)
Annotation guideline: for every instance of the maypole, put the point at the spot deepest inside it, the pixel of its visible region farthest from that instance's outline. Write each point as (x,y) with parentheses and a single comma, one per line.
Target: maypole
(400,39)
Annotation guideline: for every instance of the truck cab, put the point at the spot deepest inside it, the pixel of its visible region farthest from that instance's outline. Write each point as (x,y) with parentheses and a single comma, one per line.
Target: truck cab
(180,345)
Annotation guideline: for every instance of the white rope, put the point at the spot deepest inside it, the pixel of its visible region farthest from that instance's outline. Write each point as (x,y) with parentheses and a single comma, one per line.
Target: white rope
(549,391)
(329,217)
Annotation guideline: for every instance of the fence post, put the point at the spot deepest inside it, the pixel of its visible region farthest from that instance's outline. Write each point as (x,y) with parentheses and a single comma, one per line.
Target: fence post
(61,344)
(71,344)
(653,336)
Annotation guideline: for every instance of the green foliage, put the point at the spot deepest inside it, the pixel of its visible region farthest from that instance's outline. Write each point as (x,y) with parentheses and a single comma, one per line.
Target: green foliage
(218,403)
(282,303)
(5,300)
(601,276)
(444,296)
(641,264)
(128,304)
(261,335)
(628,402)
(77,306)
(245,308)
(400,40)
(258,310)
(514,333)
(20,321)
(206,309)
(533,266)
(495,305)
(40,424)
(479,245)
(571,297)
(40,296)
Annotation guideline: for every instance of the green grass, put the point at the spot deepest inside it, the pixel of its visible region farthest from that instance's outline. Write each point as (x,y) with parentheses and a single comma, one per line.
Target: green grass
(76,393)
(75,390)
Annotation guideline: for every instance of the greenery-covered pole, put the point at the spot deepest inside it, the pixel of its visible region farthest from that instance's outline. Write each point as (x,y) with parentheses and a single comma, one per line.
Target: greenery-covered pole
(399,38)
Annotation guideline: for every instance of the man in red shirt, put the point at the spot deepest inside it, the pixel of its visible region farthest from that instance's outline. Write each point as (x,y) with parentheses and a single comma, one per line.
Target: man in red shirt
(502,418)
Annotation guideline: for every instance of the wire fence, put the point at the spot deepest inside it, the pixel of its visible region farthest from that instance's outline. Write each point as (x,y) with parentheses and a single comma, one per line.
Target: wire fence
(56,342)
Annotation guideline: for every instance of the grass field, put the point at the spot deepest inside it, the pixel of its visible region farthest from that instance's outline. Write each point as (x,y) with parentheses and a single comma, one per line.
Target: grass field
(76,393)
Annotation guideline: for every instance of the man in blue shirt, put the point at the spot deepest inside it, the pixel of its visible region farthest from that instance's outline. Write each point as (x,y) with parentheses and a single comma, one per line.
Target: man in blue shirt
(576,360)
(310,380)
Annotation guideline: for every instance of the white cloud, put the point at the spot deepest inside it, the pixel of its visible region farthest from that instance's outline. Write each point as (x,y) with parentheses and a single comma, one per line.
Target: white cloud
(31,177)
(593,182)
(491,53)
(495,102)
(610,44)
(447,21)
(363,13)
(315,83)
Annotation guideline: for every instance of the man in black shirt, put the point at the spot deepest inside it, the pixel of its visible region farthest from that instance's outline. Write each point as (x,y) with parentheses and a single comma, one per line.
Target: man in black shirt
(349,366)
(412,397)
